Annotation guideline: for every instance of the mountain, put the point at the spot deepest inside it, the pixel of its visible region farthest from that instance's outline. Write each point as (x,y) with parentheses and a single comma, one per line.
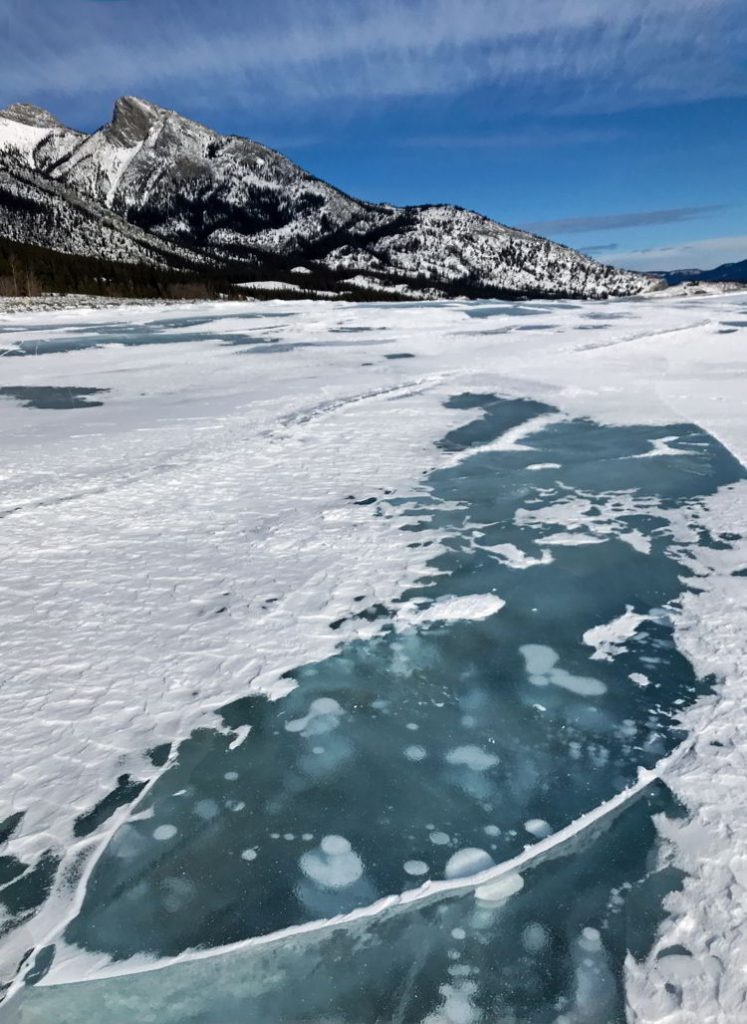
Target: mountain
(155,189)
(736,272)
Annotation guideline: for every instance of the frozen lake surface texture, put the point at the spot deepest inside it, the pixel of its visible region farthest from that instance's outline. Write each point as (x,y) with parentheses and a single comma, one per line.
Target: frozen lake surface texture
(376,663)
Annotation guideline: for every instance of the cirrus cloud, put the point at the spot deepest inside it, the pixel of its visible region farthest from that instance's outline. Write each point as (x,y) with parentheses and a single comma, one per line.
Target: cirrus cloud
(568,54)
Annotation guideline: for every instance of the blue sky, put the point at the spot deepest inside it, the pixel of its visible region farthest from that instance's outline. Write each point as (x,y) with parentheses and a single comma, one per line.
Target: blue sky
(615,126)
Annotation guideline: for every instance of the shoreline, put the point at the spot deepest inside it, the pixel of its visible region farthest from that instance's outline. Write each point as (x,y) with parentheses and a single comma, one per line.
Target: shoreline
(56,302)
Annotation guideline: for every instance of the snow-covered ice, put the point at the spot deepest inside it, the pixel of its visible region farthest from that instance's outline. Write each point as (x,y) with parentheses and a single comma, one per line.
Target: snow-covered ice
(258,483)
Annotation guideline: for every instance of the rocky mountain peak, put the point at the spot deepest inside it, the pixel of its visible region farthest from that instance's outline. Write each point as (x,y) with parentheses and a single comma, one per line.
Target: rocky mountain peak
(27,113)
(132,120)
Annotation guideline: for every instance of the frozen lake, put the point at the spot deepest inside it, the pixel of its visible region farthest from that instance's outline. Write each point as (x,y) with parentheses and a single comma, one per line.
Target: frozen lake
(381,676)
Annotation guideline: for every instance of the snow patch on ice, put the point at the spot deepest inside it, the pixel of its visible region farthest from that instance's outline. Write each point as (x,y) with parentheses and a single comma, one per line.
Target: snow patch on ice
(449,609)
(608,639)
(661,446)
(511,440)
(514,557)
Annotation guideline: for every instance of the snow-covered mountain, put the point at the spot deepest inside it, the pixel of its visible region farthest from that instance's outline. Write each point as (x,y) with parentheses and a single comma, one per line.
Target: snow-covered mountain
(154,187)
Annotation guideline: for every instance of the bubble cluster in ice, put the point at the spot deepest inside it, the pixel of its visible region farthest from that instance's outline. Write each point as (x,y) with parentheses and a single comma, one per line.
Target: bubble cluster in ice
(333,865)
(472,757)
(323,716)
(415,753)
(541,669)
(535,937)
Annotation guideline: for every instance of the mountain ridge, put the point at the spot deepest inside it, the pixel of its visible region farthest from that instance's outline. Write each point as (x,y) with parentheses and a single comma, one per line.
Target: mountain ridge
(735,272)
(170,192)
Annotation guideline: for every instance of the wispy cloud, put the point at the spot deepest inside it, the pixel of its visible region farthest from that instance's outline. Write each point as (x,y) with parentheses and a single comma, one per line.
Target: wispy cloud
(575,54)
(704,254)
(535,137)
(615,221)
(598,250)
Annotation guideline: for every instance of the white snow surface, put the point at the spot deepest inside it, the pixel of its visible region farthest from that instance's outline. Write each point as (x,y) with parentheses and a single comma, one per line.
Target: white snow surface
(449,609)
(210,478)
(608,639)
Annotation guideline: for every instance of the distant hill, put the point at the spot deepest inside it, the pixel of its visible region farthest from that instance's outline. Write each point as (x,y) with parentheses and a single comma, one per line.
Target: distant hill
(195,209)
(736,272)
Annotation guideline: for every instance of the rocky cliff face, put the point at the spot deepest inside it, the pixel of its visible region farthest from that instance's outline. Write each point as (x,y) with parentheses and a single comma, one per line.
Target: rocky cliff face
(158,188)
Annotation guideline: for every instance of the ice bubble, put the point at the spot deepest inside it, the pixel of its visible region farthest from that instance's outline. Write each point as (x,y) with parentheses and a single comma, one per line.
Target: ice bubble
(415,867)
(492,830)
(175,893)
(594,987)
(590,940)
(458,933)
(541,662)
(468,861)
(235,805)
(334,846)
(206,809)
(231,776)
(472,757)
(457,1006)
(414,753)
(334,865)
(323,716)
(412,726)
(248,854)
(307,836)
(440,838)
(535,937)
(289,836)
(584,686)
(164,832)
(538,827)
(500,890)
